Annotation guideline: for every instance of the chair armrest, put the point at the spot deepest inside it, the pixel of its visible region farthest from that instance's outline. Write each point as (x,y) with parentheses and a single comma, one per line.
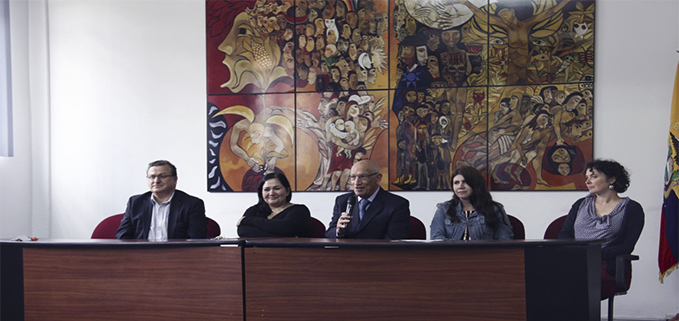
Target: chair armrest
(620,259)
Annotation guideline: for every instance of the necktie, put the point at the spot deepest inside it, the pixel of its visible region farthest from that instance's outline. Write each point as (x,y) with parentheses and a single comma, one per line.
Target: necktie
(362,205)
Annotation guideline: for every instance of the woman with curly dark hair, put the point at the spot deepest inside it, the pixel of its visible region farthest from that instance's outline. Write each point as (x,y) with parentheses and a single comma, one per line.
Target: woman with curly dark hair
(603,214)
(471,214)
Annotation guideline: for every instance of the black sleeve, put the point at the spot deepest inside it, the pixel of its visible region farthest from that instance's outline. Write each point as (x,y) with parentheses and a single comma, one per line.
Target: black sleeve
(629,234)
(568,228)
(126,229)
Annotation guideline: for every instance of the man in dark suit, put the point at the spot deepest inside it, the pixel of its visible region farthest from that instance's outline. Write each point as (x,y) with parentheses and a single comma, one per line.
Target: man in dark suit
(163,212)
(375,213)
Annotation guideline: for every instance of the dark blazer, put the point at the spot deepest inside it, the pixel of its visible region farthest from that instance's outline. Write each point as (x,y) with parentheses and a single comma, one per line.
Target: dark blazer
(186,221)
(387,217)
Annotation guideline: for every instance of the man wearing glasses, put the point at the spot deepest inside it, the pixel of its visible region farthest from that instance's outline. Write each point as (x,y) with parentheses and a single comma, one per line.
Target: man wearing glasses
(369,212)
(164,212)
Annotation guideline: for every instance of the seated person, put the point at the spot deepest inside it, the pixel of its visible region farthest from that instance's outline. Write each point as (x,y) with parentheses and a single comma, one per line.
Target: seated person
(274,215)
(604,215)
(163,212)
(377,214)
(471,214)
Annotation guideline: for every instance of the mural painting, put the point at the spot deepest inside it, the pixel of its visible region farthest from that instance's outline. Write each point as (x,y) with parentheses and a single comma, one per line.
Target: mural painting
(308,87)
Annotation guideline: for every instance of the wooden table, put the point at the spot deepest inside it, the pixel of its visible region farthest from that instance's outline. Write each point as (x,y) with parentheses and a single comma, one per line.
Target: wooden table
(121,280)
(300,279)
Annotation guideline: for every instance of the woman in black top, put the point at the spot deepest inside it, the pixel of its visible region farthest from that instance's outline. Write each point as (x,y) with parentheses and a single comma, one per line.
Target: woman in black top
(274,215)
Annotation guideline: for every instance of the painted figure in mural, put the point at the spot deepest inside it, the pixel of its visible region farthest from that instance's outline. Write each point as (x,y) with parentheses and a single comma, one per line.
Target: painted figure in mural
(345,132)
(516,33)
(252,49)
(343,34)
(260,139)
(526,125)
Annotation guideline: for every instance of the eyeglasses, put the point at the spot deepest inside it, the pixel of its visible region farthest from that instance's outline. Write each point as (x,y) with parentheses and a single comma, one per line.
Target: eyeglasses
(161,176)
(361,177)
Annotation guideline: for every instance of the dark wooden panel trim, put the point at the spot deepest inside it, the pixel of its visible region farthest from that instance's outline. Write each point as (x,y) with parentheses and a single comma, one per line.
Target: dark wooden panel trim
(11,282)
(563,283)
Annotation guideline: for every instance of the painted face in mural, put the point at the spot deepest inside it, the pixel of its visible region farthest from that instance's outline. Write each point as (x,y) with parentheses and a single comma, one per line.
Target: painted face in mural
(411,96)
(320,43)
(344,83)
(421,55)
(353,81)
(282,22)
(458,69)
(330,50)
(356,36)
(352,19)
(542,121)
(407,55)
(339,124)
(433,65)
(353,110)
(420,96)
(341,107)
(445,108)
(561,155)
(560,96)
(310,30)
(572,102)
(310,44)
(362,75)
(246,40)
(343,67)
(335,74)
(331,37)
(450,38)
(582,108)
(504,107)
(256,132)
(353,52)
(346,31)
(564,169)
(312,75)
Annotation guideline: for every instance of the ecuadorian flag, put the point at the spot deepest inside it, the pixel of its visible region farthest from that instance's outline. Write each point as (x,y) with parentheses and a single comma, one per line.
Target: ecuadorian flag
(668,251)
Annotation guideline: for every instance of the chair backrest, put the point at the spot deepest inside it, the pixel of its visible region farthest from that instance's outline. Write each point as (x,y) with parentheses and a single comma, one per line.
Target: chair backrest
(107,228)
(517,227)
(417,229)
(552,232)
(317,228)
(213,229)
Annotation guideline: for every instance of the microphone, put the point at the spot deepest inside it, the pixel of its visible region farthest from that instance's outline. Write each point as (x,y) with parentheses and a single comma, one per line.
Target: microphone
(350,204)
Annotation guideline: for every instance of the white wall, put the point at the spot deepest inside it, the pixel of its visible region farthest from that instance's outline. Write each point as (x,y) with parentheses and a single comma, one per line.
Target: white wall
(127,86)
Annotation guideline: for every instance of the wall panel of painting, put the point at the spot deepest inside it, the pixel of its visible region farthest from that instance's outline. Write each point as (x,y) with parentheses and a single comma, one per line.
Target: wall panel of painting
(308,87)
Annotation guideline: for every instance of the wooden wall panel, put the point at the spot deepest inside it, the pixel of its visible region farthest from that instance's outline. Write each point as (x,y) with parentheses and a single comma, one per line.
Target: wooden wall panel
(385,284)
(117,283)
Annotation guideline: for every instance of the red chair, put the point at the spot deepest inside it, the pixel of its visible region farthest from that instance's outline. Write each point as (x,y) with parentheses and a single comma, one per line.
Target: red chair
(213,229)
(552,232)
(517,228)
(107,228)
(317,228)
(417,229)
(622,282)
